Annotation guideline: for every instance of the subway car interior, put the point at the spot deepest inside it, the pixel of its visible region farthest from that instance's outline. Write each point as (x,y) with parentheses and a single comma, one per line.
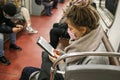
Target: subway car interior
(30,55)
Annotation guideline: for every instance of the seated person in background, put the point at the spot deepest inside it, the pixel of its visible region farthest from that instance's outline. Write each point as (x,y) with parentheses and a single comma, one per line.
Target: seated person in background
(58,31)
(83,23)
(48,5)
(8,27)
(25,13)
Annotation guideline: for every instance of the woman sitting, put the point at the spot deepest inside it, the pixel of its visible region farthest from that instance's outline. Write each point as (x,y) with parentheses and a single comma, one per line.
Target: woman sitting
(48,5)
(83,24)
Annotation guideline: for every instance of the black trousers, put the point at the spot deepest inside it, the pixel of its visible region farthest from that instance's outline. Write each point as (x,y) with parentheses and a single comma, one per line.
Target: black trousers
(27,71)
(44,71)
(58,31)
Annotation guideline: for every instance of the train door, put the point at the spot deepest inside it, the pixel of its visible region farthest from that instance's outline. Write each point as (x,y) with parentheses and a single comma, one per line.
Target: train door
(27,4)
(37,8)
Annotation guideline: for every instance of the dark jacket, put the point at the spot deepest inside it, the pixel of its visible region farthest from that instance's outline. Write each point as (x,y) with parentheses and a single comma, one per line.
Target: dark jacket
(9,24)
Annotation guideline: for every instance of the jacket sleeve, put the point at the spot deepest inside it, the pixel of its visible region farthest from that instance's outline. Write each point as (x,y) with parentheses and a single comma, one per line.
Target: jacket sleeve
(5,29)
(9,23)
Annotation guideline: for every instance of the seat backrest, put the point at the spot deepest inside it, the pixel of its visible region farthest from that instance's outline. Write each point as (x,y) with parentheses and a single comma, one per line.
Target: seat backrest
(92,72)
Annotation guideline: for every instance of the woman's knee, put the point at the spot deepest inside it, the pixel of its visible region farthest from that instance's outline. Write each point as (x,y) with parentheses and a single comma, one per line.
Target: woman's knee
(27,71)
(25,74)
(30,69)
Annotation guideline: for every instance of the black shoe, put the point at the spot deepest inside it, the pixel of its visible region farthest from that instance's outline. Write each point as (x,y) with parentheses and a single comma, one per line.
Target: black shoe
(48,14)
(15,47)
(4,61)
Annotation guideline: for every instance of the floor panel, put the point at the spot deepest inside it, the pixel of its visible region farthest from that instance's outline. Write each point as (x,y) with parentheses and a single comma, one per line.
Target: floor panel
(31,53)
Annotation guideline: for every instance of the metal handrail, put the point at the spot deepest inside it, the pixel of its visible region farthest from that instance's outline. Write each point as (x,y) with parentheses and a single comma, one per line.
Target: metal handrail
(109,48)
(74,54)
(110,53)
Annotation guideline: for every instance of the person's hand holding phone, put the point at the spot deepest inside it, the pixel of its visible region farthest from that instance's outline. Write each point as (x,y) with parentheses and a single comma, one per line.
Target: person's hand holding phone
(17,28)
(56,55)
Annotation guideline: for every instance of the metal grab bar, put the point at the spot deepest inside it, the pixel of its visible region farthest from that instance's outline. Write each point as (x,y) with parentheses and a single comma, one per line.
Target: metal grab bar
(74,54)
(109,48)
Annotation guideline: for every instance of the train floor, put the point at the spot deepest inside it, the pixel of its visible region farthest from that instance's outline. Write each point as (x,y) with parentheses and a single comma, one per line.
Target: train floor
(31,52)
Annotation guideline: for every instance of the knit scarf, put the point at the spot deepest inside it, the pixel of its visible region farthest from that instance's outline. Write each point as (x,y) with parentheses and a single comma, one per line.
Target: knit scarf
(89,42)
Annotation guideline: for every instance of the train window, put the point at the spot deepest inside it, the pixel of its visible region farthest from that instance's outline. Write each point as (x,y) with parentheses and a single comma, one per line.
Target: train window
(107,9)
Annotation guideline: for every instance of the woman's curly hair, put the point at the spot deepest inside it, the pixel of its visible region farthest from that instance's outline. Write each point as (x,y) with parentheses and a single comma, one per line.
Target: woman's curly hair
(83,14)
